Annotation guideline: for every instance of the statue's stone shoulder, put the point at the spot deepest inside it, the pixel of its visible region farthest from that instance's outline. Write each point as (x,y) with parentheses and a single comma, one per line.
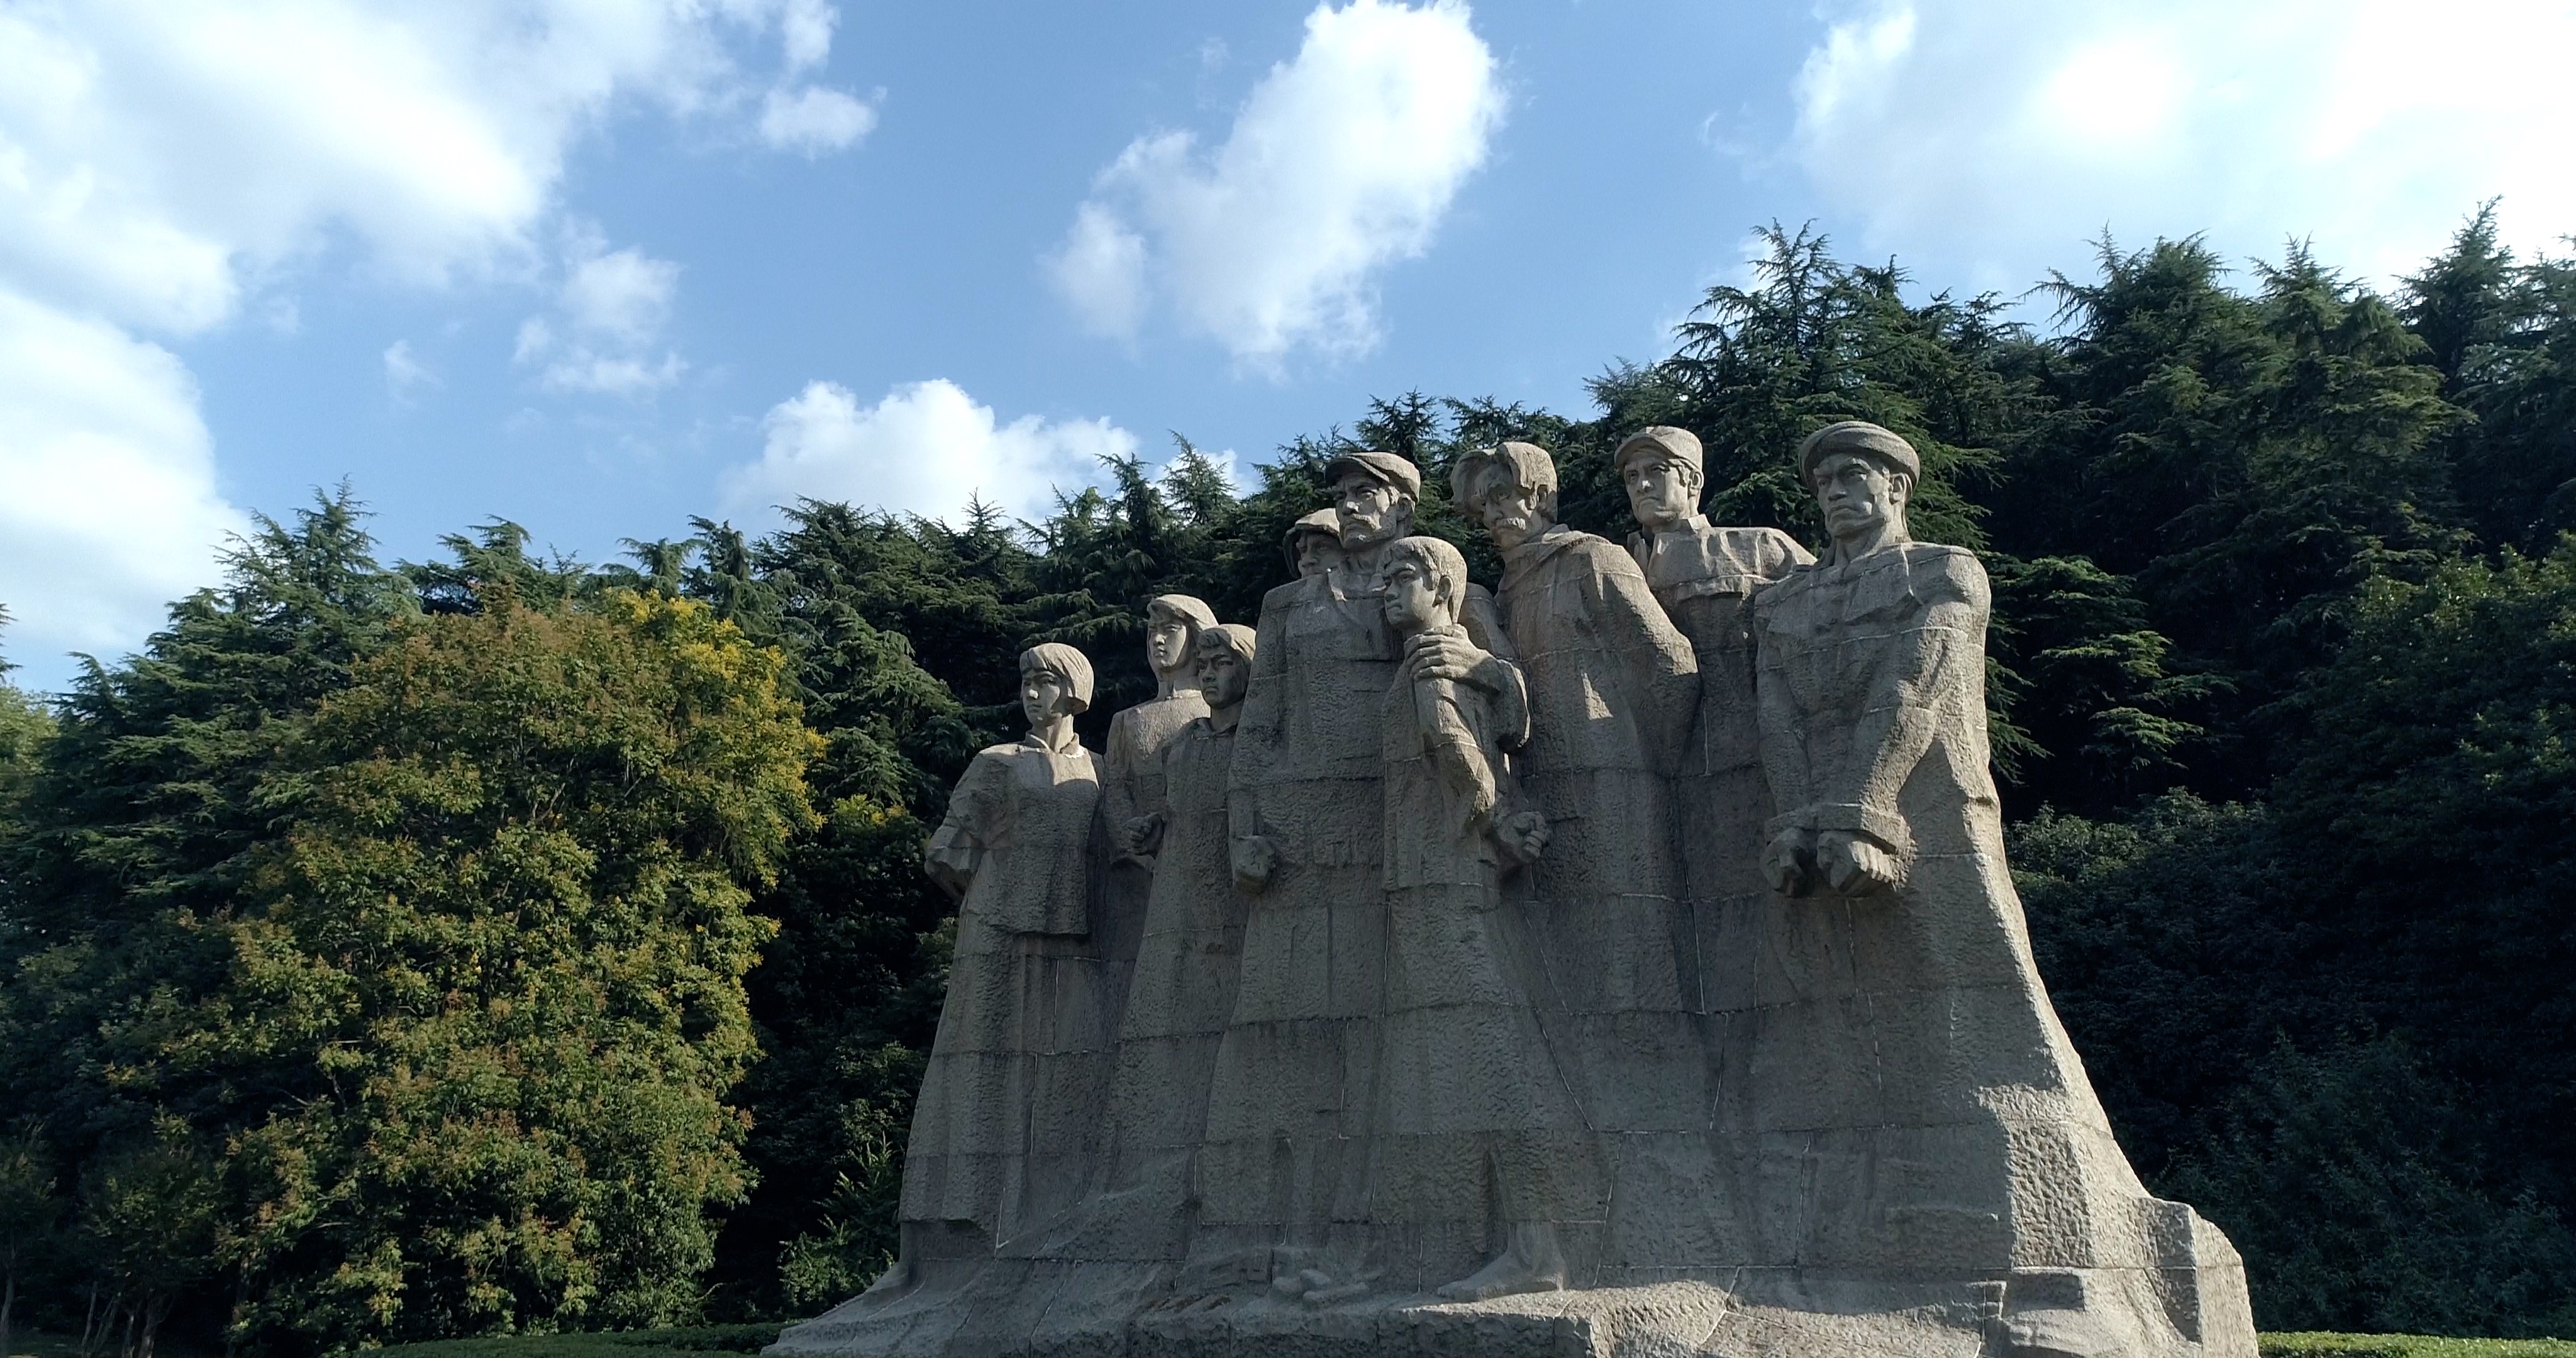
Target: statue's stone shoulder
(1603,555)
(1908,577)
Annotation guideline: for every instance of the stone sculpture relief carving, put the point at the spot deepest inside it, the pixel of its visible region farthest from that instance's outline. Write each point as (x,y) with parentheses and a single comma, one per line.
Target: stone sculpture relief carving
(998,1124)
(1139,736)
(1478,1134)
(1613,687)
(1705,576)
(1488,999)
(1285,1162)
(1182,991)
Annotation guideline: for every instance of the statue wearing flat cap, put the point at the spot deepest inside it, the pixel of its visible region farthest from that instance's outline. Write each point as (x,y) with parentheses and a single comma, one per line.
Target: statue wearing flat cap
(1292,1098)
(1703,575)
(1889,848)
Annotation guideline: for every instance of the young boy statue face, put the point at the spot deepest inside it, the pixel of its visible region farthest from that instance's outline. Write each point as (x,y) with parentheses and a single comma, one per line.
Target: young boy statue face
(1223,676)
(1413,602)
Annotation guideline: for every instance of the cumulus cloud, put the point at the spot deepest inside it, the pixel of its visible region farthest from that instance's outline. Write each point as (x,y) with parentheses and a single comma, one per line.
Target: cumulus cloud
(405,374)
(613,305)
(1998,136)
(923,448)
(814,120)
(112,507)
(165,168)
(1342,161)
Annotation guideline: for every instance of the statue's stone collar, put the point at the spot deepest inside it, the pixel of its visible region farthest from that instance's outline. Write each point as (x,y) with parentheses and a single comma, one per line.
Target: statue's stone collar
(1034,741)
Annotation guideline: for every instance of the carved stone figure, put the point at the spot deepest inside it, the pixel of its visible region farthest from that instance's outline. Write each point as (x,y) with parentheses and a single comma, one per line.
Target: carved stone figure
(1182,993)
(1285,1159)
(1612,688)
(1430,1046)
(1477,1130)
(1009,1087)
(1913,1109)
(1703,576)
(1314,544)
(1139,736)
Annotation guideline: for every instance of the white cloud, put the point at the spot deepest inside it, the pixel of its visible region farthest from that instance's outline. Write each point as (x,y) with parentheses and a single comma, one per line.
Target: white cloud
(622,295)
(166,168)
(1341,162)
(1997,138)
(805,29)
(405,374)
(614,305)
(112,507)
(924,448)
(1101,271)
(814,120)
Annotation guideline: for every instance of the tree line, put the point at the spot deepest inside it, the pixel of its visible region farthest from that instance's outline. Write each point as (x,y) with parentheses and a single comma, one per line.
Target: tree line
(505,943)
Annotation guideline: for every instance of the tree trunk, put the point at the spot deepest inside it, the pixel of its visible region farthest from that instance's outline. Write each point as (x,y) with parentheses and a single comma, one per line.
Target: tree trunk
(154,1310)
(8,1300)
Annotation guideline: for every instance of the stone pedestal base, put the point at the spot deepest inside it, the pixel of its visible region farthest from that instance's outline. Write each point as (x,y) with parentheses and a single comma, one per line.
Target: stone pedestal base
(1043,1309)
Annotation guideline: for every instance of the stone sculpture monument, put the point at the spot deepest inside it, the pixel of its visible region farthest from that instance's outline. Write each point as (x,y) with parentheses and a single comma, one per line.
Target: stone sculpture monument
(1622,964)
(1705,577)
(998,1126)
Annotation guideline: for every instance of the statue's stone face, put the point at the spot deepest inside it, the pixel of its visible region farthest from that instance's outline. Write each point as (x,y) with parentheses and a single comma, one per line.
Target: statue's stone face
(1167,642)
(1512,510)
(1662,491)
(1369,509)
(1223,677)
(1412,600)
(1859,496)
(1043,696)
(1316,553)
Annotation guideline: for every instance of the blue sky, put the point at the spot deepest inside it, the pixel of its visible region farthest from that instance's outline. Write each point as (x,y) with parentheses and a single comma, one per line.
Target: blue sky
(598,265)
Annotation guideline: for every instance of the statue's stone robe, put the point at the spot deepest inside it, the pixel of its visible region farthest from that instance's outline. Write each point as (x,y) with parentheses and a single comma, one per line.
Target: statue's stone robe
(1613,690)
(1293,1089)
(1011,1090)
(1177,1007)
(1132,784)
(1704,577)
(1133,777)
(1477,1128)
(1911,1111)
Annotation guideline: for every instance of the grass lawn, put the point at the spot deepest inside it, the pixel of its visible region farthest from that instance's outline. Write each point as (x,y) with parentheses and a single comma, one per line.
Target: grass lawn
(2410,1346)
(705,1341)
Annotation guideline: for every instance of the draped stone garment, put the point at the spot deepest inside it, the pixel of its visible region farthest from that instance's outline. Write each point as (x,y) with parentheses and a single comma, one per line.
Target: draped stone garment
(1176,1012)
(1010,1096)
(1476,1128)
(1132,783)
(1285,1154)
(1704,577)
(1613,688)
(1911,1107)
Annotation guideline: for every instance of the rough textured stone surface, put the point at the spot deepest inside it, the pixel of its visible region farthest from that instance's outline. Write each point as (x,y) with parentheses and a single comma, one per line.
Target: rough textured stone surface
(1668,980)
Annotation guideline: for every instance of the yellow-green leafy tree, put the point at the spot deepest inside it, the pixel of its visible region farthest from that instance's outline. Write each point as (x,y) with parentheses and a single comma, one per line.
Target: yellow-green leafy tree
(485,994)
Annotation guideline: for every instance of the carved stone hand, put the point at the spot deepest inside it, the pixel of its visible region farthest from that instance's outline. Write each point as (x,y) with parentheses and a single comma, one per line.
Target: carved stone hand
(1523,835)
(1141,835)
(1254,861)
(1789,863)
(1449,656)
(1852,865)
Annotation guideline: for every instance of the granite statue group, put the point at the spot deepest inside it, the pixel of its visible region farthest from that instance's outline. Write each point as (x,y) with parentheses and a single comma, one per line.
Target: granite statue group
(1622,960)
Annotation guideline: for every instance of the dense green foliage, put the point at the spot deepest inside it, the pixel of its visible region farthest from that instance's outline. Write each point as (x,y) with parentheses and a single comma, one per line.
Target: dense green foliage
(2314,1344)
(505,945)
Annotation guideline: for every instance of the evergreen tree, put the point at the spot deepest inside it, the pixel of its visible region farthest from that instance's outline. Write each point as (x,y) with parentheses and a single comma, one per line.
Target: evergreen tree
(482,1004)
(2517,474)
(139,818)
